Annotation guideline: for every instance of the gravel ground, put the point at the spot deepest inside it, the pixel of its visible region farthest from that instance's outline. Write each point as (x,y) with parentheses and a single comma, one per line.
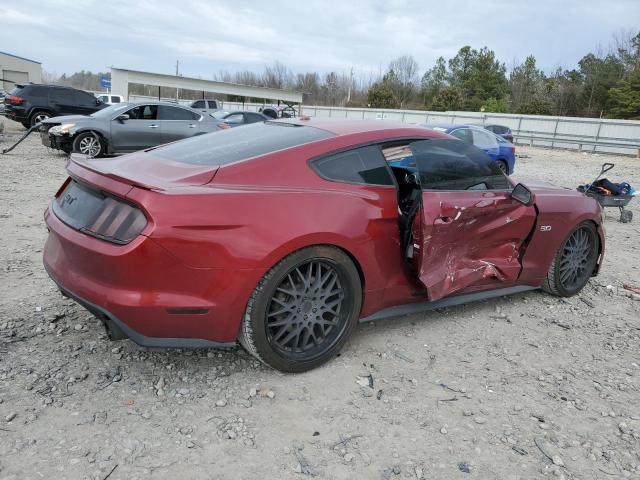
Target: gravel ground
(524,387)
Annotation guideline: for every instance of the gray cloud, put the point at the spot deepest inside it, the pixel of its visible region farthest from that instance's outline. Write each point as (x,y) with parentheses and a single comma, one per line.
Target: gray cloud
(208,36)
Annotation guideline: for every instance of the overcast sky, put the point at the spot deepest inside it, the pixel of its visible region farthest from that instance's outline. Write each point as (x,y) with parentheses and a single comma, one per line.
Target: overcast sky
(317,35)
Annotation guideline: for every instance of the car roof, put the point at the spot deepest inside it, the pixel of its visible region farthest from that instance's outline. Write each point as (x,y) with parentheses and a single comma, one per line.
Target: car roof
(452,126)
(341,127)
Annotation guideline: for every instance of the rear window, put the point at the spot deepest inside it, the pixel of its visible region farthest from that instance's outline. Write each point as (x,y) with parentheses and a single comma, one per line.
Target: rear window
(232,145)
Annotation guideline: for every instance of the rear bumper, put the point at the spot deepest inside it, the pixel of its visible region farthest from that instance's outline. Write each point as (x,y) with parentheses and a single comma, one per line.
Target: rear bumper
(118,330)
(145,291)
(17,114)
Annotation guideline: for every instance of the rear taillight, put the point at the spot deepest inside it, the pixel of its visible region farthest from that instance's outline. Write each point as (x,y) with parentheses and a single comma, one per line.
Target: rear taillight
(14,100)
(98,214)
(513,149)
(117,222)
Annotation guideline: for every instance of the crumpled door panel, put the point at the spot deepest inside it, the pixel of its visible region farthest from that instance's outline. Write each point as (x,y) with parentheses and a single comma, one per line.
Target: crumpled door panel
(470,239)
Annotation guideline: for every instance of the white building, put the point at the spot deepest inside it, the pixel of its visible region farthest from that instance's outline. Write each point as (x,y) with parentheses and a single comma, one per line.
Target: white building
(14,69)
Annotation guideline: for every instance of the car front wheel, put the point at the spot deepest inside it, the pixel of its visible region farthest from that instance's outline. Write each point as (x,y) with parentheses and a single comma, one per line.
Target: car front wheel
(88,144)
(574,262)
(303,310)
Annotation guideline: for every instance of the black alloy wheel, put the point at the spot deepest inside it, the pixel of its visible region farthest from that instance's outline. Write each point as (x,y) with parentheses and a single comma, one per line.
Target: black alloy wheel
(574,262)
(303,310)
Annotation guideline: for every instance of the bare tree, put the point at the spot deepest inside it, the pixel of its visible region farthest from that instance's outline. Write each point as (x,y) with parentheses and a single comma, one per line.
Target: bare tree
(404,78)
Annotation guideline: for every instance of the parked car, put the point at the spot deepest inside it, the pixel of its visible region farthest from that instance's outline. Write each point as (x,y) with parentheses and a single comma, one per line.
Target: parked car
(125,127)
(237,119)
(501,151)
(206,106)
(278,111)
(3,94)
(31,104)
(283,234)
(110,99)
(501,130)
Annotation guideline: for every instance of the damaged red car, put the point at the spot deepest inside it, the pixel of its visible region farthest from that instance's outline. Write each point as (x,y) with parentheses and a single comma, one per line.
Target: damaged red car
(284,234)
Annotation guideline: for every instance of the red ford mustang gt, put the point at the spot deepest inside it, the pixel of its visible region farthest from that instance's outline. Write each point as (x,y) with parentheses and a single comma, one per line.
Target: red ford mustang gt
(282,235)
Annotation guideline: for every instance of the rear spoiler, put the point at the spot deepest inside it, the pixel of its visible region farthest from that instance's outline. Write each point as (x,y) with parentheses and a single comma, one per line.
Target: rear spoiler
(81,161)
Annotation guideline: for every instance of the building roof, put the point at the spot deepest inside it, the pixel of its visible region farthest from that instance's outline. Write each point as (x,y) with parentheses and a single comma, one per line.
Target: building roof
(21,58)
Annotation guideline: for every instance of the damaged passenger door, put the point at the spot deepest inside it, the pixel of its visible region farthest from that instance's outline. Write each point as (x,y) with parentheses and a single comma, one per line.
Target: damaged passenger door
(470,231)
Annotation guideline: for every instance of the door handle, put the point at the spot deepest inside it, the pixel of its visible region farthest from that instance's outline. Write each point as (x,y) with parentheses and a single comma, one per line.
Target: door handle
(153,126)
(191,125)
(442,220)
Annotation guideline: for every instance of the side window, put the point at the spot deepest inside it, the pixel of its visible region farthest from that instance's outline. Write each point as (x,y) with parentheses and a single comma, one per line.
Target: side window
(40,92)
(64,96)
(176,113)
(399,156)
(234,118)
(361,165)
(198,104)
(83,98)
(143,112)
(482,139)
(446,164)
(104,98)
(254,117)
(213,104)
(114,100)
(463,134)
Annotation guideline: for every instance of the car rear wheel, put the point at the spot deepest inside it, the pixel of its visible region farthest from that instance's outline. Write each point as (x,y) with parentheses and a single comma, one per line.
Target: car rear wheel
(303,310)
(574,262)
(503,166)
(38,116)
(88,144)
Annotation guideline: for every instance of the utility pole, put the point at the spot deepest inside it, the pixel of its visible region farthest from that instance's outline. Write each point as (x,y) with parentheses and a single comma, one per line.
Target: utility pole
(350,84)
(177,65)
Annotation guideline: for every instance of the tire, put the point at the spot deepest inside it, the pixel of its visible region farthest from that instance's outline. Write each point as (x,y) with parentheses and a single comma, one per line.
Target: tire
(289,307)
(38,116)
(574,262)
(89,144)
(502,165)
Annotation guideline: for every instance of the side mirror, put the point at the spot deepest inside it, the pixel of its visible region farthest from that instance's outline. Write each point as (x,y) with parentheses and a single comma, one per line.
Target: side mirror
(122,118)
(99,102)
(522,194)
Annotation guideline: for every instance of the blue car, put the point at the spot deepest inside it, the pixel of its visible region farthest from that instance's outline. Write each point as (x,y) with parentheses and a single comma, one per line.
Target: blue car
(499,149)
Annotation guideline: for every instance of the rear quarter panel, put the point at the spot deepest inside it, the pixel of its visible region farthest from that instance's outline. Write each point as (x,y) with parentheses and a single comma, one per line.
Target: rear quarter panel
(560,210)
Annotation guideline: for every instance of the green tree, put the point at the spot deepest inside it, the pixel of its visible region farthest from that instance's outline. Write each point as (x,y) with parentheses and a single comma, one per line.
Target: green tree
(433,81)
(495,105)
(478,75)
(526,84)
(625,98)
(600,74)
(449,98)
(380,95)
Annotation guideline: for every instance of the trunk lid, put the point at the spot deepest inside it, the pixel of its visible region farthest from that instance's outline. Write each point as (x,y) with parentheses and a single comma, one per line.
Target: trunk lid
(144,170)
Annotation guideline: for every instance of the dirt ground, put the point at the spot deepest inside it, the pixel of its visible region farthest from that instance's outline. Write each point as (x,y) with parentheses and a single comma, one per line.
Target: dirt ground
(529,386)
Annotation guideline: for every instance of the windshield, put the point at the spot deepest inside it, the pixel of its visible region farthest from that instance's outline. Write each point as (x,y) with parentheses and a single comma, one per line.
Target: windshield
(109,111)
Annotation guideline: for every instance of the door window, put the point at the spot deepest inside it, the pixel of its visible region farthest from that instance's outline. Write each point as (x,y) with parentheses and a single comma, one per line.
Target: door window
(445,164)
(361,165)
(463,134)
(143,112)
(177,113)
(483,139)
(399,156)
(234,118)
(198,104)
(64,96)
(213,104)
(115,100)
